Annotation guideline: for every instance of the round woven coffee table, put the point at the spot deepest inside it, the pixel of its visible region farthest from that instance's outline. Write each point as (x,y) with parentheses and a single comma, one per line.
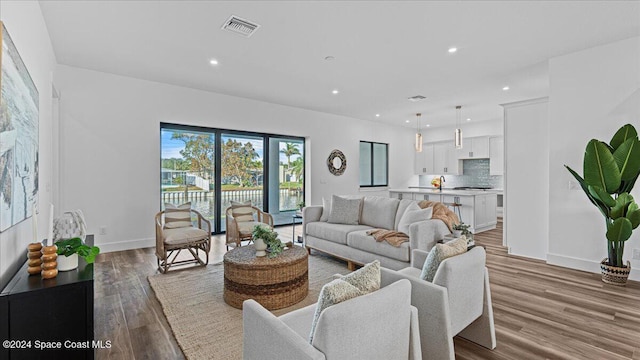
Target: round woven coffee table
(273,282)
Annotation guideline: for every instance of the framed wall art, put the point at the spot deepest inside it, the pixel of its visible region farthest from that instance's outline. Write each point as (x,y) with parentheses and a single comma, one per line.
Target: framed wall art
(19,108)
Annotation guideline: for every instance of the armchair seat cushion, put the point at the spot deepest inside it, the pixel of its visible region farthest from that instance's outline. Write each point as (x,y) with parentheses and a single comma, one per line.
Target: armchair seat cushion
(183,235)
(333,232)
(361,241)
(411,271)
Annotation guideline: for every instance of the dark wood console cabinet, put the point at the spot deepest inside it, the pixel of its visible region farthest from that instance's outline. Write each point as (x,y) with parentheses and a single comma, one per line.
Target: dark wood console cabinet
(39,312)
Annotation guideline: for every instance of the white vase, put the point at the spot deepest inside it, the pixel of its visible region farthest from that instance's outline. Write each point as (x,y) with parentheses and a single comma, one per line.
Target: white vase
(261,246)
(457,233)
(66,263)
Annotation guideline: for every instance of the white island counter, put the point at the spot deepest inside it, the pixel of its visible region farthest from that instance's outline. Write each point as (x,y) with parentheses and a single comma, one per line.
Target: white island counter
(478,208)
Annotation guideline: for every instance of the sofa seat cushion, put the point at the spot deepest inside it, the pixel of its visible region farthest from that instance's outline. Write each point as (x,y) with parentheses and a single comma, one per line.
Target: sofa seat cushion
(361,241)
(379,212)
(333,232)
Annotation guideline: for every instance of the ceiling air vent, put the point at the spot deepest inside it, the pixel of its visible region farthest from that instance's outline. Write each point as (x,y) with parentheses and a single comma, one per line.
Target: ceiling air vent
(416,98)
(240,26)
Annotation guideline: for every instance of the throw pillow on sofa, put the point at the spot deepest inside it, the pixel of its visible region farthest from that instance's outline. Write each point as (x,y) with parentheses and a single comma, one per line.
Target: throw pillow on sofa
(439,253)
(345,211)
(412,215)
(326,209)
(359,282)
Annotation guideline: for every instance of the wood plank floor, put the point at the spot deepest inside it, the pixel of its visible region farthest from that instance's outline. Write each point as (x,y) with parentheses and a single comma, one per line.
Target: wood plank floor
(541,311)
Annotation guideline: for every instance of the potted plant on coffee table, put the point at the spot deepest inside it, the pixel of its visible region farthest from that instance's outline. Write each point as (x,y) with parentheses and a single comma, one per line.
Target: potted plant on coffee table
(264,234)
(610,172)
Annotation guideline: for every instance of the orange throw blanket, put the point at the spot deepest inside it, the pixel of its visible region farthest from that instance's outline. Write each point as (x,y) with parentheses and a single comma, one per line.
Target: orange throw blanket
(441,212)
(394,238)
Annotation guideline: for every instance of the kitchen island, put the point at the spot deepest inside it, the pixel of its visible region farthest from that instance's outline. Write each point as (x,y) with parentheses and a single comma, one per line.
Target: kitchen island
(478,207)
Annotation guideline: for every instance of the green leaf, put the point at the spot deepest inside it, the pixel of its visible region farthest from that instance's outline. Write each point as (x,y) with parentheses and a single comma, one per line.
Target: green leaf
(600,168)
(620,209)
(633,215)
(604,197)
(623,134)
(619,230)
(627,156)
(627,185)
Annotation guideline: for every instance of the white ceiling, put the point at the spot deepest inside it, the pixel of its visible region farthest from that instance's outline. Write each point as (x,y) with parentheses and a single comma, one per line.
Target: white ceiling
(385,51)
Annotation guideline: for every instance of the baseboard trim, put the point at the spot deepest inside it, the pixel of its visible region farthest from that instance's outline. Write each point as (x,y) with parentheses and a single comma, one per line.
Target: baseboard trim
(583,264)
(126,245)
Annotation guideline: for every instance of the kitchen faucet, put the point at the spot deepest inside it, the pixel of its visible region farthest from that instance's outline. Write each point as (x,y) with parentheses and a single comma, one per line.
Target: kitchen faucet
(441,181)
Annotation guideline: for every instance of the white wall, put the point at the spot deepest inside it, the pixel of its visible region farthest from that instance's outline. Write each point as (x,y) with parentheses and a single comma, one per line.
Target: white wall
(593,93)
(110,146)
(25,24)
(526,200)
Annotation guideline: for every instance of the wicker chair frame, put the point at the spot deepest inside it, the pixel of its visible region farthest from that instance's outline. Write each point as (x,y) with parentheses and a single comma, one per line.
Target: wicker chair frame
(168,253)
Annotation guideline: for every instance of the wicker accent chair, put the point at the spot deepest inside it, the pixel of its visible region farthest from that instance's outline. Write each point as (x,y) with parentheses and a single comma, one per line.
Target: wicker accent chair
(174,240)
(238,231)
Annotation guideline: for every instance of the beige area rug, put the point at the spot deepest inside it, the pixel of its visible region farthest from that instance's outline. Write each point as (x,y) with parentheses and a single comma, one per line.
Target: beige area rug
(203,324)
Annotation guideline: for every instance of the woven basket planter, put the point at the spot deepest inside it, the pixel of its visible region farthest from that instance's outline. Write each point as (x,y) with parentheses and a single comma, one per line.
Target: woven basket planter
(614,275)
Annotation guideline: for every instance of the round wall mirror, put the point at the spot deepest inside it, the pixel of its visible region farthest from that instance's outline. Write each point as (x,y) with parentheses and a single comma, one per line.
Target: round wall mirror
(337,162)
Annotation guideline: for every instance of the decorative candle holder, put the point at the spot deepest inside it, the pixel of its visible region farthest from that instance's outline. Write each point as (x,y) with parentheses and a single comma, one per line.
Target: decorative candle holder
(34,261)
(49,263)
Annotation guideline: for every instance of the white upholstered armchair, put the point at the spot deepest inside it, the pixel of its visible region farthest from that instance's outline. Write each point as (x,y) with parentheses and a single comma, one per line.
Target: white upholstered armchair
(381,325)
(458,302)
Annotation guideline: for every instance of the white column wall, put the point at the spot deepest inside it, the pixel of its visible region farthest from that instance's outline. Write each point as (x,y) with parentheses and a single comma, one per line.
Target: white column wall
(593,93)
(110,146)
(25,24)
(526,190)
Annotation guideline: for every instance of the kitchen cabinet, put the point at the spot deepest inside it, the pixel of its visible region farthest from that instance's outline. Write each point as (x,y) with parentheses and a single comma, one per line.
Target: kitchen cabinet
(424,161)
(445,159)
(496,155)
(474,148)
(486,211)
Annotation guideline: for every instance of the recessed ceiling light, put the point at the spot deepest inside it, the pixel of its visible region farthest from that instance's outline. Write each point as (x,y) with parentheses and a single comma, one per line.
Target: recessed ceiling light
(377,115)
(452,50)
(428,125)
(406,121)
(468,119)
(213,62)
(329,58)
(505,88)
(335,91)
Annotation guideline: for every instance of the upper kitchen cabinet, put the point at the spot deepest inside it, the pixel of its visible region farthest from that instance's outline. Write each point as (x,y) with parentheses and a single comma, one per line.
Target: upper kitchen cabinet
(474,148)
(445,159)
(424,160)
(496,155)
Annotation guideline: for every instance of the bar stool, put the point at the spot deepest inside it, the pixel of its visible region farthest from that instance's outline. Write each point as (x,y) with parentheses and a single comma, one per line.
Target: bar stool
(456,205)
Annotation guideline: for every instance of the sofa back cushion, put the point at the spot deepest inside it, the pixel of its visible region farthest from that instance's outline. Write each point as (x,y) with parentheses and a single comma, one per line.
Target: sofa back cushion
(345,211)
(379,212)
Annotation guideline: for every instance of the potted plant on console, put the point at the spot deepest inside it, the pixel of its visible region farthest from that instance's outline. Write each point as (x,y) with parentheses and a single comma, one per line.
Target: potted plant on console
(68,251)
(610,172)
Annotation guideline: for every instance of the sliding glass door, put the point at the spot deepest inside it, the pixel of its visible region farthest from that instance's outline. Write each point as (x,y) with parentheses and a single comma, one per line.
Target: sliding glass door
(212,167)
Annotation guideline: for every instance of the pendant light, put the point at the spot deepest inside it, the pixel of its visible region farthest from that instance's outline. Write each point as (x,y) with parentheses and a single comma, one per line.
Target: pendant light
(418,134)
(458,135)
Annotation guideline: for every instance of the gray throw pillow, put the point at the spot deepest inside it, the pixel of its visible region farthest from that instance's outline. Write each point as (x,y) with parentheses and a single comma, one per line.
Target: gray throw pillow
(326,209)
(344,211)
(439,253)
(367,278)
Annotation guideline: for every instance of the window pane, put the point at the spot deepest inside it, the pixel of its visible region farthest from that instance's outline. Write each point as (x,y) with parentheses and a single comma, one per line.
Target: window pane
(380,164)
(365,163)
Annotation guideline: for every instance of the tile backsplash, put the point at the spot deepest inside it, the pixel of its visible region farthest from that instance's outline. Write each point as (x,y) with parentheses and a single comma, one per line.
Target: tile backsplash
(475,173)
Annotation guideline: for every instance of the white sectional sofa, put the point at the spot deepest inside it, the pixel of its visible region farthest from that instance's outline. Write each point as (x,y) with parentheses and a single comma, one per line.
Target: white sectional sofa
(351,242)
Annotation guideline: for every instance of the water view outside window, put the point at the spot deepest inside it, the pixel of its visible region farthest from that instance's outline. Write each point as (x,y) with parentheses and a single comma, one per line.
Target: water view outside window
(189,162)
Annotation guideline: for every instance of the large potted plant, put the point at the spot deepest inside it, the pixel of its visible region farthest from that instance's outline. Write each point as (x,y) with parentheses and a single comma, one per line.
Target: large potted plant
(610,172)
